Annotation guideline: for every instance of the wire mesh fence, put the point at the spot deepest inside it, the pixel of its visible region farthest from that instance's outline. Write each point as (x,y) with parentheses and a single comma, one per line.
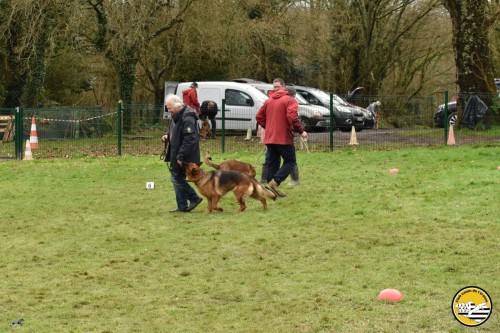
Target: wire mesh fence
(65,132)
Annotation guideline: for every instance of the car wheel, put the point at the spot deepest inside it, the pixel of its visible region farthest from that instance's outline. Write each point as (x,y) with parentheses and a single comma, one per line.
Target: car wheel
(305,123)
(452,119)
(358,129)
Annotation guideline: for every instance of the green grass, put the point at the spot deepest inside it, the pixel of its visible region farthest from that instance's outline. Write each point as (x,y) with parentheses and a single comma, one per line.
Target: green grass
(87,248)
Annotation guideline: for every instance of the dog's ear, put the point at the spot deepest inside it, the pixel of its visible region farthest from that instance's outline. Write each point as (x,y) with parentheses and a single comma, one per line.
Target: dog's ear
(199,163)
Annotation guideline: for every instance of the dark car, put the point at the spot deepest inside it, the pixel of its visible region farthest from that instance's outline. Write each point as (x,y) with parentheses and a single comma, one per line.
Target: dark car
(439,115)
(345,116)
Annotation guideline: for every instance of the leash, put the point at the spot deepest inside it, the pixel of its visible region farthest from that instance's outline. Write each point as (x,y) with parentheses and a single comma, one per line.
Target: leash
(260,154)
(163,154)
(303,143)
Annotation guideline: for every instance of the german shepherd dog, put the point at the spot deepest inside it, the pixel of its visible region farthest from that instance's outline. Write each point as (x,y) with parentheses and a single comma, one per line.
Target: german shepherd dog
(231,165)
(215,184)
(205,129)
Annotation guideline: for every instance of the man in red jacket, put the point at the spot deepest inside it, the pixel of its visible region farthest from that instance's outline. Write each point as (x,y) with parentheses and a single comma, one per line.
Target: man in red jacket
(190,97)
(278,115)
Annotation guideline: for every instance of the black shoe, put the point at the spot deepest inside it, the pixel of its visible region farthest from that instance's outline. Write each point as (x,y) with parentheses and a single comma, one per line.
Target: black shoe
(193,204)
(178,210)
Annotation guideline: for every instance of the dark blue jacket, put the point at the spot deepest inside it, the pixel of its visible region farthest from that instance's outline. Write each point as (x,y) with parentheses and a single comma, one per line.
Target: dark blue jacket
(184,140)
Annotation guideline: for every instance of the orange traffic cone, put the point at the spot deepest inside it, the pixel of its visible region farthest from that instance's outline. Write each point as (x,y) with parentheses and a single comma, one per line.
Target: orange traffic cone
(33,135)
(353,141)
(451,137)
(27,153)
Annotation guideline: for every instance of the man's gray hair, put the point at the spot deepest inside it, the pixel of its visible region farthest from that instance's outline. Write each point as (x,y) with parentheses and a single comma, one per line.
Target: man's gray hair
(174,99)
(279,80)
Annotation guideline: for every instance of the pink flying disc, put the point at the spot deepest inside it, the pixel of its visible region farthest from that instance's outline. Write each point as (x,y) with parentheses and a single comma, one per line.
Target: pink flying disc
(390,295)
(394,170)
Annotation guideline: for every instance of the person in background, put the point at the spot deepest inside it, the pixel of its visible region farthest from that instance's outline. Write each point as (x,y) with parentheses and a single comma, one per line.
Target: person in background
(190,97)
(183,147)
(294,175)
(278,116)
(209,110)
(373,108)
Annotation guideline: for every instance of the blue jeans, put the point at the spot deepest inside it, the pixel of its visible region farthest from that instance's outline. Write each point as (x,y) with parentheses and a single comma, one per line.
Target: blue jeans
(183,191)
(274,154)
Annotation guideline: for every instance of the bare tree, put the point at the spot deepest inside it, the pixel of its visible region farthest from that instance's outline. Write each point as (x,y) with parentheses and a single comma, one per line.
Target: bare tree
(122,30)
(377,39)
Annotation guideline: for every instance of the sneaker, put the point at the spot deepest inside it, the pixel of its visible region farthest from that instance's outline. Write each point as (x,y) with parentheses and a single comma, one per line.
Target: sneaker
(293,183)
(193,204)
(273,186)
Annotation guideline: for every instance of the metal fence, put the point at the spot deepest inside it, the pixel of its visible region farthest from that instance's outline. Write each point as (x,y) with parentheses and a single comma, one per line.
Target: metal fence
(66,132)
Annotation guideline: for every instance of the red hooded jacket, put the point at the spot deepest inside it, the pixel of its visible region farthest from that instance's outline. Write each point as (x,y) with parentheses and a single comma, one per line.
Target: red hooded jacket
(190,97)
(278,115)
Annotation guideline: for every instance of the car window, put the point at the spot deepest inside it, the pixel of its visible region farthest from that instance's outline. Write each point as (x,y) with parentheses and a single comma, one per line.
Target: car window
(309,97)
(238,98)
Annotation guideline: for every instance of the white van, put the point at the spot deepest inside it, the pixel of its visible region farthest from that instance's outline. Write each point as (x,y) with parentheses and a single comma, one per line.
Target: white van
(242,101)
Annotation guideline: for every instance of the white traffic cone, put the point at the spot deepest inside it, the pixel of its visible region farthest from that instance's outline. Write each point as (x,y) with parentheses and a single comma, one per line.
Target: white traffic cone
(249,132)
(27,152)
(354,140)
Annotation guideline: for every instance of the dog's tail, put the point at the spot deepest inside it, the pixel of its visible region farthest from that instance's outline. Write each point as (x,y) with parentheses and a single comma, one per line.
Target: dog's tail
(252,172)
(208,161)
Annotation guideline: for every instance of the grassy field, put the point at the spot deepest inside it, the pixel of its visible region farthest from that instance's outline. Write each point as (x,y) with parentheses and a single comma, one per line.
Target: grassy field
(87,248)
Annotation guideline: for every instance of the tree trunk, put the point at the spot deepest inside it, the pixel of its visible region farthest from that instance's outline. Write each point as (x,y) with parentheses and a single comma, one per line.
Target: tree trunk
(126,81)
(17,72)
(471,27)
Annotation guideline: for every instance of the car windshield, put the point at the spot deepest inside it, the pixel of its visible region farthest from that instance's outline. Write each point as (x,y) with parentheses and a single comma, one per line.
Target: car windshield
(324,97)
(338,100)
(301,100)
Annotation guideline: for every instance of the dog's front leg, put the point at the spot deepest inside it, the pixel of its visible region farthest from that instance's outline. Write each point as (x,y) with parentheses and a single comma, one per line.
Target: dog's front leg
(209,207)
(215,202)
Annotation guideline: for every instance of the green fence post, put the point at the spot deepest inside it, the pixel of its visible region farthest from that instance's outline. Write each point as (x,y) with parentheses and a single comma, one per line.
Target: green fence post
(445,117)
(77,125)
(223,135)
(18,133)
(331,122)
(120,105)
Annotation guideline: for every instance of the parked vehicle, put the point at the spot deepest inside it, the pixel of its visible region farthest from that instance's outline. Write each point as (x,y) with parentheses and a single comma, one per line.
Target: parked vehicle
(439,115)
(242,101)
(345,116)
(312,117)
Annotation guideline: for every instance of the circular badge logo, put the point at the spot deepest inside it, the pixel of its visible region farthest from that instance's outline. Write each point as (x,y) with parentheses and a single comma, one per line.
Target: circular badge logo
(471,306)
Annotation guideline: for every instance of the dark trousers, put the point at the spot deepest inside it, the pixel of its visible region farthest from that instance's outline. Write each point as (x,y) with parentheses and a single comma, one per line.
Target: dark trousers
(275,170)
(183,191)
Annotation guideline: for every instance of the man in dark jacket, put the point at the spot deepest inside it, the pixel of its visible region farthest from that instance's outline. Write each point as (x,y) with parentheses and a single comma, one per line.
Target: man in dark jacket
(183,147)
(209,110)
